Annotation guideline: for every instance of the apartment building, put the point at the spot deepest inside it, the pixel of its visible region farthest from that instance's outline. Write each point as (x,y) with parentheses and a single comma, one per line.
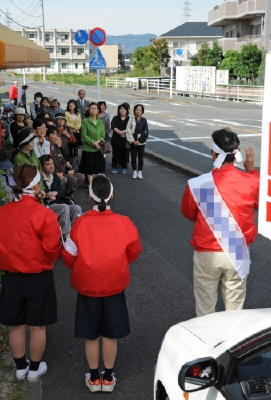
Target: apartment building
(66,55)
(189,37)
(242,22)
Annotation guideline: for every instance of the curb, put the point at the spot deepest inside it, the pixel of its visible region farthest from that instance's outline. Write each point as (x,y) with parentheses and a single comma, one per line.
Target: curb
(175,165)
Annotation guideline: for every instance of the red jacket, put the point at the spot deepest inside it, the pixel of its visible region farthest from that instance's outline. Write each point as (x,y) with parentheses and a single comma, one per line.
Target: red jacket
(240,191)
(29,236)
(13,93)
(106,244)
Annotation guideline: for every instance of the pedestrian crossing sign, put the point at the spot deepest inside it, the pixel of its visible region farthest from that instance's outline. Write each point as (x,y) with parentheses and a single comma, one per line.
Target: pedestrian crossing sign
(97,61)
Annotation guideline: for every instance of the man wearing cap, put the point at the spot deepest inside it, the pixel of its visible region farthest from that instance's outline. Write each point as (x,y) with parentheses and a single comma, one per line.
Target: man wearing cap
(54,107)
(221,204)
(14,93)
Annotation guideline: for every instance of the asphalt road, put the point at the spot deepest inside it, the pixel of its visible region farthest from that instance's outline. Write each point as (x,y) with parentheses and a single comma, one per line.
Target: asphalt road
(180,130)
(160,294)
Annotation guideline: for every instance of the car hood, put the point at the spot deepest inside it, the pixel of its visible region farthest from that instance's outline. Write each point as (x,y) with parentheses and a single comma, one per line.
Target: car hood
(214,329)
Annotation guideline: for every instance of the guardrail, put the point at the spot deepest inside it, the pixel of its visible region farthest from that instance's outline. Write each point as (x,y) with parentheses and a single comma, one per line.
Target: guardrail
(253,94)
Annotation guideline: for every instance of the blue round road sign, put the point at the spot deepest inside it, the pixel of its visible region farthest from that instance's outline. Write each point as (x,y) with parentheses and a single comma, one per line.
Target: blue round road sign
(97,36)
(179,52)
(81,37)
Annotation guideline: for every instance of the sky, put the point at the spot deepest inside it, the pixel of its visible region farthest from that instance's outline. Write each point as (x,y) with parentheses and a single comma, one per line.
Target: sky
(115,16)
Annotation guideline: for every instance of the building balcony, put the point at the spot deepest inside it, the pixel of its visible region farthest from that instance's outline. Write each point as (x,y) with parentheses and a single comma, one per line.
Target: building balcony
(83,56)
(60,42)
(238,43)
(66,56)
(50,42)
(231,10)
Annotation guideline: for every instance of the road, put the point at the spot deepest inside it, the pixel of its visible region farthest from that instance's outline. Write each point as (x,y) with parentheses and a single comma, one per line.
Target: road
(180,130)
(160,294)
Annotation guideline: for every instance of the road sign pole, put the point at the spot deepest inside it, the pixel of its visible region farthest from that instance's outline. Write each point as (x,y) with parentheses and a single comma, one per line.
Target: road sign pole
(171,75)
(267,26)
(98,85)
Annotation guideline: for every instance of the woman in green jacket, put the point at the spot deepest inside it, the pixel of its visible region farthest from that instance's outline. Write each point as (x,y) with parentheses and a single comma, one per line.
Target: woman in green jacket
(93,133)
(26,154)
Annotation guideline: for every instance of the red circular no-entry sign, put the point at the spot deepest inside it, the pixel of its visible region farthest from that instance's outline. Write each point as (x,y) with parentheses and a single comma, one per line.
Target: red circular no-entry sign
(97,36)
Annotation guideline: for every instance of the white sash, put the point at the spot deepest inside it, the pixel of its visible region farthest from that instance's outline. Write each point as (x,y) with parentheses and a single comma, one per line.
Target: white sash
(221,222)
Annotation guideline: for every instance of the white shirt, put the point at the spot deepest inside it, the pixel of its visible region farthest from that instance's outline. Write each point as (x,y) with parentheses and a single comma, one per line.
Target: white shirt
(41,149)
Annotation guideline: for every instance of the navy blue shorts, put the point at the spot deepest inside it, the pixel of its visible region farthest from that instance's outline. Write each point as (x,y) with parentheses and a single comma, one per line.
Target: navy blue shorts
(101,316)
(28,299)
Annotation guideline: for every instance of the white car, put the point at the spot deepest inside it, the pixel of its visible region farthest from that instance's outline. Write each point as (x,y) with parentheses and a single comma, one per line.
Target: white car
(224,355)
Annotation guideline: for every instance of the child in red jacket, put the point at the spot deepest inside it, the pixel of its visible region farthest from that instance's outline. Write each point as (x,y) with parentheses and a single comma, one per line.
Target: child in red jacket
(100,274)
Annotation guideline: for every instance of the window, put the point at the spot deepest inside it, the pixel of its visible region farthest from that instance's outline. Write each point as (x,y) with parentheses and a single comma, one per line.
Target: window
(52,64)
(65,65)
(48,37)
(50,49)
(84,65)
(64,51)
(64,36)
(80,51)
(32,36)
(76,65)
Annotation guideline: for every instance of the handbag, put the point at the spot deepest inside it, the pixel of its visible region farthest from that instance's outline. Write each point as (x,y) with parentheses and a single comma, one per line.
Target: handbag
(106,147)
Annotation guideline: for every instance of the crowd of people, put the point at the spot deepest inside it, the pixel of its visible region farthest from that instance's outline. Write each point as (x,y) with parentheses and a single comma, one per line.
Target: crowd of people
(56,154)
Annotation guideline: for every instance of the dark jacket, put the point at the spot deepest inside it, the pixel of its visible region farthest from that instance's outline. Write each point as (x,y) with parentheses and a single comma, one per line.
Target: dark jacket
(55,187)
(82,109)
(121,124)
(141,130)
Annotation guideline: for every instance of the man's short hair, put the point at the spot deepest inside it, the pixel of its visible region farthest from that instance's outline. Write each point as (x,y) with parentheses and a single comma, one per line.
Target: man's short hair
(227,141)
(45,158)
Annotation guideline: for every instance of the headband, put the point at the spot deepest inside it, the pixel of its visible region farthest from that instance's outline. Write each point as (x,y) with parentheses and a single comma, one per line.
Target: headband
(96,198)
(34,182)
(222,155)
(27,139)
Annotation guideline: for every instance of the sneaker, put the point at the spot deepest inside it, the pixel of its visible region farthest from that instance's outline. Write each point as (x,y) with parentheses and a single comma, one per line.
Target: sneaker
(21,373)
(114,171)
(123,170)
(134,175)
(108,386)
(139,175)
(33,376)
(95,386)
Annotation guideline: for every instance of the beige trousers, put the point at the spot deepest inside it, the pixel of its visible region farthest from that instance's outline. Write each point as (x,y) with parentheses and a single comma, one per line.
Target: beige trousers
(210,270)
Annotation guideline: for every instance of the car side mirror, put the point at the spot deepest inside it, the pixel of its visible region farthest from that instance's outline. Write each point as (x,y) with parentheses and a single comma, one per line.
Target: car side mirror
(198,375)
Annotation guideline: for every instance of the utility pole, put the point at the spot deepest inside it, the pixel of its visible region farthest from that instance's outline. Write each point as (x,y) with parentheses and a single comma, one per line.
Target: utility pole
(267,26)
(43,37)
(7,18)
(186,10)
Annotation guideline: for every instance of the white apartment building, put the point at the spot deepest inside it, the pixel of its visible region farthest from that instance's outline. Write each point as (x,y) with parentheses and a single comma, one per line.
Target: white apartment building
(66,55)
(189,37)
(242,22)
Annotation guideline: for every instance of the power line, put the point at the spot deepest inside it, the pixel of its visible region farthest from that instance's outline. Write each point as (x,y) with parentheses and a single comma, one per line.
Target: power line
(29,15)
(187,10)
(17,23)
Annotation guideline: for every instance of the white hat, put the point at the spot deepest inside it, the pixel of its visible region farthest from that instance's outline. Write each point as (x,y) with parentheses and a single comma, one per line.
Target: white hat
(19,111)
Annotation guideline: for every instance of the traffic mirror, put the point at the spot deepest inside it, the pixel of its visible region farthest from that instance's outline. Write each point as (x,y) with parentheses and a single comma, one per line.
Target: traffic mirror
(198,374)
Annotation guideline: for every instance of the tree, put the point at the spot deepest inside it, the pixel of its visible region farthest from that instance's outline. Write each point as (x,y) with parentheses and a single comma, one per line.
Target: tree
(203,54)
(214,56)
(249,62)
(231,62)
(261,71)
(141,59)
(159,54)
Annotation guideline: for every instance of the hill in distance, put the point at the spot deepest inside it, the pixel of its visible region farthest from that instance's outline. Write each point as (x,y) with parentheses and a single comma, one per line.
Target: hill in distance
(130,42)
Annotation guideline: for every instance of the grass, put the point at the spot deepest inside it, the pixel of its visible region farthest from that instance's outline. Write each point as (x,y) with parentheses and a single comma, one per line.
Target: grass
(88,79)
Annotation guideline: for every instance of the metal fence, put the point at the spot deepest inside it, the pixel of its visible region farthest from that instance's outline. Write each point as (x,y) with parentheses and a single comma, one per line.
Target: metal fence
(253,94)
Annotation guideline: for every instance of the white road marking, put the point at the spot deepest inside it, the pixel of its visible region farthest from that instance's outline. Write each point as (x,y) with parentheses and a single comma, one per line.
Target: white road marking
(208,137)
(182,122)
(146,104)
(179,105)
(201,121)
(153,112)
(111,104)
(235,123)
(182,147)
(52,87)
(158,140)
(158,124)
